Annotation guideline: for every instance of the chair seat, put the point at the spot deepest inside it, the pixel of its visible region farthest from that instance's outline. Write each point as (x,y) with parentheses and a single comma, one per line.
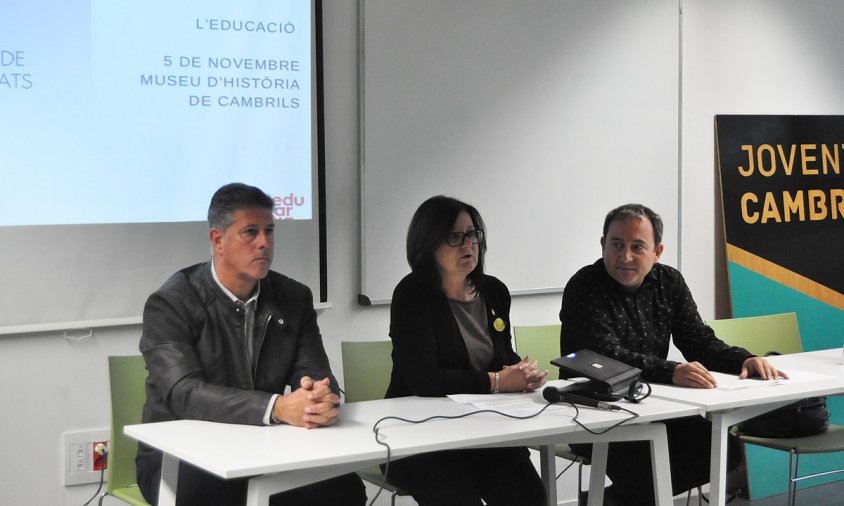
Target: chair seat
(830,441)
(131,495)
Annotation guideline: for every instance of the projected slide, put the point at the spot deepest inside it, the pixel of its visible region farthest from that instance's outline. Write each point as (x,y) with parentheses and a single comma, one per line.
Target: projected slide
(136,111)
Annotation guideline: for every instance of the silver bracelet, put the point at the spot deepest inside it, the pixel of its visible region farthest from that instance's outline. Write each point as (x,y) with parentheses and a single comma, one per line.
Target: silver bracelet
(497,383)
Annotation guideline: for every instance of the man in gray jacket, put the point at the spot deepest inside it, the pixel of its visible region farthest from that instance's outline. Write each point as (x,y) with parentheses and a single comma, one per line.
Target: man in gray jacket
(222,340)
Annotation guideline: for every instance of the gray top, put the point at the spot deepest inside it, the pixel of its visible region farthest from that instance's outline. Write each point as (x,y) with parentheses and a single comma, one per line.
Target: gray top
(471,318)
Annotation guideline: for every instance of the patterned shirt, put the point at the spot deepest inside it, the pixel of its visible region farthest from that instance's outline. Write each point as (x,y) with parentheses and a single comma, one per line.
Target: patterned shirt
(636,327)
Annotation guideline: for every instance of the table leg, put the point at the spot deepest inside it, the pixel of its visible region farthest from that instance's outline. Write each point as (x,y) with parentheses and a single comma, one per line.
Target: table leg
(548,467)
(598,473)
(660,466)
(718,461)
(169,480)
(654,433)
(721,422)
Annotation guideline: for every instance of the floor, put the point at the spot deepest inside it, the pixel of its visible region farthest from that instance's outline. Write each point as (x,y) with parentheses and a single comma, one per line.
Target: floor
(823,495)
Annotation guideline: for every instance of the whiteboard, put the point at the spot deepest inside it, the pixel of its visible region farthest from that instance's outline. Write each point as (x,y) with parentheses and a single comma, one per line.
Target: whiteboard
(544,114)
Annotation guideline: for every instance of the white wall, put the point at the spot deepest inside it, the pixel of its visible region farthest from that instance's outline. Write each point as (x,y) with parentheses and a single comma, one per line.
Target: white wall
(745,57)
(740,56)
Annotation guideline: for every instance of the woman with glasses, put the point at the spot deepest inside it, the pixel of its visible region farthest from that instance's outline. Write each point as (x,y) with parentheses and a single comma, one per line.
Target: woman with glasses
(450,327)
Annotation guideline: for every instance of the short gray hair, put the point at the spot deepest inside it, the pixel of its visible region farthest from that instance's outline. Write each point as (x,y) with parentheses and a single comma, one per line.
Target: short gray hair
(231,197)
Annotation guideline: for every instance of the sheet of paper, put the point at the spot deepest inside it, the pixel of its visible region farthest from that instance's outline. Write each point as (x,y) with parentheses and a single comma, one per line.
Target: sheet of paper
(517,404)
(732,381)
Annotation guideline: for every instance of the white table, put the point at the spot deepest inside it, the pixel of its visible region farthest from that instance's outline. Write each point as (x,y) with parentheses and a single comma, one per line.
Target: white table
(282,457)
(822,362)
(726,408)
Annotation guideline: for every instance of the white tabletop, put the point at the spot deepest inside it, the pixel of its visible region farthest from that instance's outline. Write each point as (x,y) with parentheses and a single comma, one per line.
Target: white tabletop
(830,362)
(814,374)
(232,451)
(716,399)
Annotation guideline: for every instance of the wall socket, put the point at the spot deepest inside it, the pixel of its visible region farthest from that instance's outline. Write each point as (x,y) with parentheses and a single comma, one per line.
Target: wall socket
(82,464)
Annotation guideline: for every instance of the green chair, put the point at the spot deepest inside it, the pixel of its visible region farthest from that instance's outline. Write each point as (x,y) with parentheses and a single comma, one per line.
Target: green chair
(761,334)
(542,343)
(127,376)
(367,366)
(780,333)
(539,342)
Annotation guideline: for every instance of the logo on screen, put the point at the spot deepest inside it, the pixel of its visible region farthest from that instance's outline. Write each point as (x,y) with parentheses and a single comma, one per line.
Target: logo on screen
(284,207)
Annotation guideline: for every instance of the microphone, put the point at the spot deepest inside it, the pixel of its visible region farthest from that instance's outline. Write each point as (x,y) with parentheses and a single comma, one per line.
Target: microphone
(554,394)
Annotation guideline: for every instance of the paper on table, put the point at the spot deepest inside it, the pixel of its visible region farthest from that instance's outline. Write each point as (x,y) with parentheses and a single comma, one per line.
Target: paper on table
(517,404)
(732,381)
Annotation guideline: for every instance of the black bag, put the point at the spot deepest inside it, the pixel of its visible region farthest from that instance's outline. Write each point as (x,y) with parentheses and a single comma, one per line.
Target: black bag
(805,417)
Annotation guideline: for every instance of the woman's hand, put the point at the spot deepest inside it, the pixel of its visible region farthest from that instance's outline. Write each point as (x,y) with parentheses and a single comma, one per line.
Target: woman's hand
(534,377)
(521,377)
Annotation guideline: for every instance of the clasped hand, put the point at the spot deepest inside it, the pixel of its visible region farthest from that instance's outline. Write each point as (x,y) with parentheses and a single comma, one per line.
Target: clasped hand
(310,406)
(524,376)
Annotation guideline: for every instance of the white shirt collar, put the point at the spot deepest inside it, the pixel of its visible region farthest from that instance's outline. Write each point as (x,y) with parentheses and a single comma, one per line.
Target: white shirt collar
(228,292)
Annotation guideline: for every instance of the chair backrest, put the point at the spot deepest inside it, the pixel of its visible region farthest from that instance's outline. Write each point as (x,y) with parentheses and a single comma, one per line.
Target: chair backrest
(366,369)
(761,334)
(127,376)
(539,342)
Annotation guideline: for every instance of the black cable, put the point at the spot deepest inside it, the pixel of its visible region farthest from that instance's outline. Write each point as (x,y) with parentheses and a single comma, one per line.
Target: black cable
(104,459)
(635,396)
(633,415)
(433,417)
(102,474)
(378,440)
(566,469)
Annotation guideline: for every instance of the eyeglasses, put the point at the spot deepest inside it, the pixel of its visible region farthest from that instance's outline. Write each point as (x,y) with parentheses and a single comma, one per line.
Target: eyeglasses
(456,238)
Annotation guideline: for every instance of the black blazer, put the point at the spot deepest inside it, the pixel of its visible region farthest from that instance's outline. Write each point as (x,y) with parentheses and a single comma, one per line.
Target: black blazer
(429,355)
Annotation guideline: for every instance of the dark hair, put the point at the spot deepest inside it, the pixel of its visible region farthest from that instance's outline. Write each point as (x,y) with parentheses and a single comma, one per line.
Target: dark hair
(635,211)
(427,231)
(231,197)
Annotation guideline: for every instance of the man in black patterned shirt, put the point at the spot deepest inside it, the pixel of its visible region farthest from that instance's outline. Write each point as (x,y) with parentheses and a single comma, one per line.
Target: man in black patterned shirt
(628,306)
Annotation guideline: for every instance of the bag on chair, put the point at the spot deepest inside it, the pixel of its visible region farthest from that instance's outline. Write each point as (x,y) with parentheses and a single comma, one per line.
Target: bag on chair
(805,417)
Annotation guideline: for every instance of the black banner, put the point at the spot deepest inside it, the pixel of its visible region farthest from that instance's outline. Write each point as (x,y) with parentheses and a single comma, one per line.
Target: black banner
(783,191)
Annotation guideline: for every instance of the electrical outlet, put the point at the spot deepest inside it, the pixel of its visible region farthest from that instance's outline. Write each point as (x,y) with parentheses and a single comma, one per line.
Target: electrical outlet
(100,455)
(83,463)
